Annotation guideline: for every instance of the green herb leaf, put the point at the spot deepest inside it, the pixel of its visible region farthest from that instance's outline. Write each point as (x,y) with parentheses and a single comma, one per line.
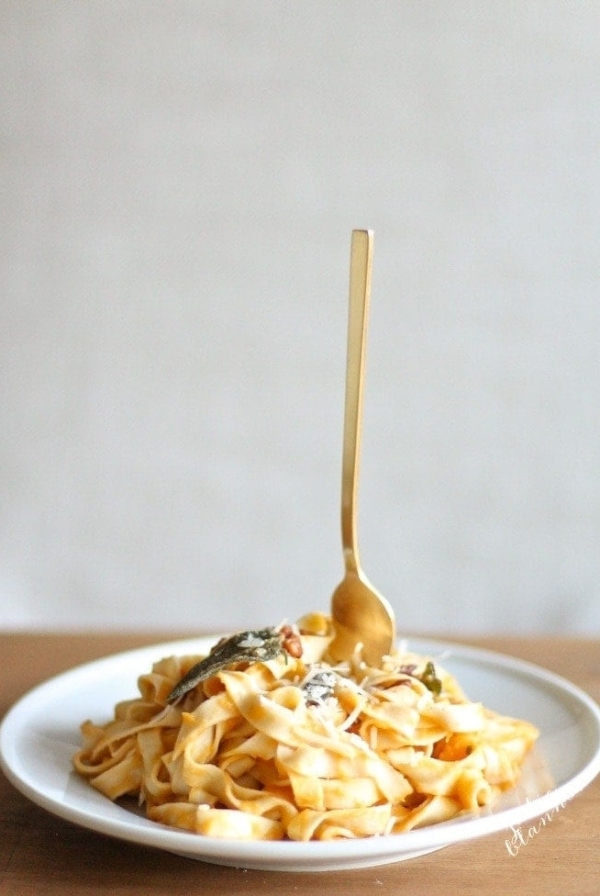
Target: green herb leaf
(430,679)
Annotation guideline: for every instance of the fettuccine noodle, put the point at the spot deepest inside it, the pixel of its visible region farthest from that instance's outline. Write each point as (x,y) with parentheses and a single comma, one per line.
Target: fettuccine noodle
(296,748)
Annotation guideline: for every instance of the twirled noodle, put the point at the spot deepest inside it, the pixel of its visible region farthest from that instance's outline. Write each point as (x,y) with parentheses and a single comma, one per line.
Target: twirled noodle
(252,752)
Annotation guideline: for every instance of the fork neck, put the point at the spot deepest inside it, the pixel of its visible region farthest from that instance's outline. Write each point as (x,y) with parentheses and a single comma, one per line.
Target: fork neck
(349,539)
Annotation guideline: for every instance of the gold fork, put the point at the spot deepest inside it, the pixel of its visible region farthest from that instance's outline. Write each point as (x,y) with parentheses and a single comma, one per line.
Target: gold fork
(360,614)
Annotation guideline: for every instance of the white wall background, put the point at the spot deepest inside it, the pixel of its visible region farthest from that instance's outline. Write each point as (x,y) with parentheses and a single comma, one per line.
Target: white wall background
(178,185)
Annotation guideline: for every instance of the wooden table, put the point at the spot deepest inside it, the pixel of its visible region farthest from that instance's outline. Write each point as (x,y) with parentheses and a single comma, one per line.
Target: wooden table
(41,854)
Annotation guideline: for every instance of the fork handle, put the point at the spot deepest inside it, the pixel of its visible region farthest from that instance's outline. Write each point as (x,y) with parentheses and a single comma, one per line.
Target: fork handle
(360,289)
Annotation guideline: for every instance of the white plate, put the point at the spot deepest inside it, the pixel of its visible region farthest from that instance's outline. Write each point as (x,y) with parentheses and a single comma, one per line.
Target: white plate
(40,734)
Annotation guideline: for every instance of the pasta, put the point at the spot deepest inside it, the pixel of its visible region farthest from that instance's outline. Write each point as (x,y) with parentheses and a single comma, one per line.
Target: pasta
(267,739)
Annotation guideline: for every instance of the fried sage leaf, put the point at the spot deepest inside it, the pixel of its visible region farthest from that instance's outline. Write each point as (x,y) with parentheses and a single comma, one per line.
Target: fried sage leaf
(244,647)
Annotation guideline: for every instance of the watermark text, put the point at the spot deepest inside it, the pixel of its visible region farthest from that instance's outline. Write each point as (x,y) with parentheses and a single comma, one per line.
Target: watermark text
(522,836)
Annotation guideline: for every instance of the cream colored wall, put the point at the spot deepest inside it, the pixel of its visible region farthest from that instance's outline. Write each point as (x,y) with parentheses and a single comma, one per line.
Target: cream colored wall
(179,182)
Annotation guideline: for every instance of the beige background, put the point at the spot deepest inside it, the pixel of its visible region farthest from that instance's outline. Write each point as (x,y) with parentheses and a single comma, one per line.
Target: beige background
(179,181)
